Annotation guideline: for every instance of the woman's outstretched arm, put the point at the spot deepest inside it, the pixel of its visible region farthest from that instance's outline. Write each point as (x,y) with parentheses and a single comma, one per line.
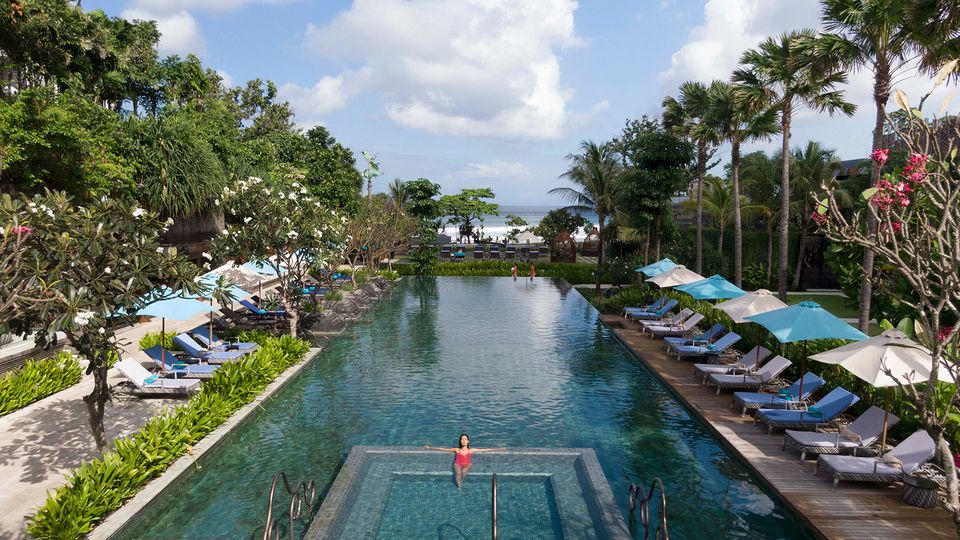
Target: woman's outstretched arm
(438,449)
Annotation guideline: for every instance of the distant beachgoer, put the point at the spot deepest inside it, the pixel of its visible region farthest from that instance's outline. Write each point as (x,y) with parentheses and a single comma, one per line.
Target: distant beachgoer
(515,271)
(462,459)
(533,272)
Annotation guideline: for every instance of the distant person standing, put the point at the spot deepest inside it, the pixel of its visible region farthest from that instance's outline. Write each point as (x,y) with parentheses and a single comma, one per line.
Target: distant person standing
(514,271)
(533,272)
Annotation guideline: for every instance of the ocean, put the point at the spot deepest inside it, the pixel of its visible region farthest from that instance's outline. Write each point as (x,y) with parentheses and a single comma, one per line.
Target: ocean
(495,226)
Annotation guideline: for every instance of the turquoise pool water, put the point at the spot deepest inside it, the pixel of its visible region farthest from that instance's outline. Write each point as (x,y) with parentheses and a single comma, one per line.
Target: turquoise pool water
(510,363)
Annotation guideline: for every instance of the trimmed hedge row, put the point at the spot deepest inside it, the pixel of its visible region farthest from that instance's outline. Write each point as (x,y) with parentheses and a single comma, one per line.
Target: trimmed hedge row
(38,379)
(97,488)
(573,273)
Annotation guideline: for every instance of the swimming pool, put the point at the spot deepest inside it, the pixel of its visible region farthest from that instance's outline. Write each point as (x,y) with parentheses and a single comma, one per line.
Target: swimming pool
(510,363)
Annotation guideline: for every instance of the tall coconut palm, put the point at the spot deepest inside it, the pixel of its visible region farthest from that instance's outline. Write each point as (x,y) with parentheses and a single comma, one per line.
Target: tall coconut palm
(873,35)
(760,175)
(737,120)
(685,117)
(719,205)
(814,166)
(780,70)
(594,172)
(397,191)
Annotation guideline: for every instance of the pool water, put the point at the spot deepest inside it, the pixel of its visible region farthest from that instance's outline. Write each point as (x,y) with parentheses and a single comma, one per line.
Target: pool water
(509,362)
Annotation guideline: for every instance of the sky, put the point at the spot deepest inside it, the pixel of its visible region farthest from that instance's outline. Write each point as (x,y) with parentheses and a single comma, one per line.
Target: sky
(491,93)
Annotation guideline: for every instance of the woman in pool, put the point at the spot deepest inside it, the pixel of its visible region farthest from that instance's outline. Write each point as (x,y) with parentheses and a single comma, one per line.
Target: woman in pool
(462,455)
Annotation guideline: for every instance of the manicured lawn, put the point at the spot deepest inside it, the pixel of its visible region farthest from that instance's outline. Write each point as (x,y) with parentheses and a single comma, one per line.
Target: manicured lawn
(833,304)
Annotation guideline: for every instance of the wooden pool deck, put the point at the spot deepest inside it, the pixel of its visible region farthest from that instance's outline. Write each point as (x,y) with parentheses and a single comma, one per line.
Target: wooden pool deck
(851,511)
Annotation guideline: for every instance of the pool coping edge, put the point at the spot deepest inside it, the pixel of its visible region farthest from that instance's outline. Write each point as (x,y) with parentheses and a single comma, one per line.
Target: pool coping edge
(117,521)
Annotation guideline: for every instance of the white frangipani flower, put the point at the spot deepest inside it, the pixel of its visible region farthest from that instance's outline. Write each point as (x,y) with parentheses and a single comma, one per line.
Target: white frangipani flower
(207,256)
(102,330)
(225,232)
(137,212)
(247,219)
(107,270)
(82,318)
(160,249)
(169,221)
(293,234)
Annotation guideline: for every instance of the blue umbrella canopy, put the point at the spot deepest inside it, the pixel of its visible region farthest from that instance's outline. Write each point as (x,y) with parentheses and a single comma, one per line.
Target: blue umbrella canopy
(714,287)
(176,308)
(659,267)
(805,321)
(260,267)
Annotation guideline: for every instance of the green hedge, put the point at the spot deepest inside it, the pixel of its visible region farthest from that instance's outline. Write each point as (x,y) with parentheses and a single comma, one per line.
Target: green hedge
(154,338)
(97,488)
(573,273)
(36,380)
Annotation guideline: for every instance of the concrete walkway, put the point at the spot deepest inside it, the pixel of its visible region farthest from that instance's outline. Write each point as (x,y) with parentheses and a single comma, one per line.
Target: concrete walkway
(42,442)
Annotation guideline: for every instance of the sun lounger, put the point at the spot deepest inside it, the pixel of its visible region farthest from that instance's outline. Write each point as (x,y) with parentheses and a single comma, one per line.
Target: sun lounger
(703,339)
(672,330)
(784,399)
(657,314)
(478,252)
(668,320)
(903,459)
(259,312)
(754,380)
(194,349)
(701,351)
(209,340)
(822,412)
(860,433)
(652,307)
(167,361)
(148,384)
(747,363)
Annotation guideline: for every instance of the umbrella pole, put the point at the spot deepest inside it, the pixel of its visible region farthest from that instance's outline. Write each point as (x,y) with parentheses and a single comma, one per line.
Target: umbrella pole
(886,408)
(803,370)
(211,324)
(163,343)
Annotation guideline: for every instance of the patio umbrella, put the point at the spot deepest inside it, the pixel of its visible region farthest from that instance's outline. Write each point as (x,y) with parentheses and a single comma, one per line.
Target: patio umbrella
(176,308)
(678,275)
(659,267)
(759,301)
(714,287)
(907,361)
(239,275)
(209,282)
(804,322)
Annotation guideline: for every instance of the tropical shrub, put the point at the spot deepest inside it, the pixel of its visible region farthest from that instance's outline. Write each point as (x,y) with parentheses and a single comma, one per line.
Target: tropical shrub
(573,273)
(390,275)
(156,338)
(36,380)
(99,487)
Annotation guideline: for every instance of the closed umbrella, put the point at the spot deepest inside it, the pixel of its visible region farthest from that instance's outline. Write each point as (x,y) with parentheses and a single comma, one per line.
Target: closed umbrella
(883,361)
(659,267)
(678,275)
(754,303)
(714,287)
(804,322)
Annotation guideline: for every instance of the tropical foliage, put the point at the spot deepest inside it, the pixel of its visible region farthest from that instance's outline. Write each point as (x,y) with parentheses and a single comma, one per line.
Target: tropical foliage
(38,379)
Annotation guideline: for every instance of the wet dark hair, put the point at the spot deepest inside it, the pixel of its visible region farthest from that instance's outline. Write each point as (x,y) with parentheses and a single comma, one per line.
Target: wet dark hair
(462,435)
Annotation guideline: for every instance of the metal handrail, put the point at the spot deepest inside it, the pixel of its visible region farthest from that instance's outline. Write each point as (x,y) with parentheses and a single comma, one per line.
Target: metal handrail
(493,505)
(304,494)
(636,496)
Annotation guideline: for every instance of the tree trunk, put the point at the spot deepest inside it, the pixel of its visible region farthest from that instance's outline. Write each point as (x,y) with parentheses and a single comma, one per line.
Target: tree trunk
(722,229)
(96,401)
(945,460)
(701,172)
(769,249)
(881,94)
(737,230)
(646,246)
(801,248)
(656,239)
(600,250)
(784,207)
(294,313)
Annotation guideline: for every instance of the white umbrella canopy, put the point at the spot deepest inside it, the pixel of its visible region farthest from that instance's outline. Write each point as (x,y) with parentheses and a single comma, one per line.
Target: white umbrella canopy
(754,303)
(239,275)
(907,361)
(679,275)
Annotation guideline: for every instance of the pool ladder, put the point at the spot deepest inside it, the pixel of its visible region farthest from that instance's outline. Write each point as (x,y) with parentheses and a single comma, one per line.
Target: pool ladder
(493,505)
(636,497)
(302,497)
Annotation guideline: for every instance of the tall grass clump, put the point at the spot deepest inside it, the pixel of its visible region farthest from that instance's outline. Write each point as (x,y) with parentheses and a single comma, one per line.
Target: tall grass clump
(38,379)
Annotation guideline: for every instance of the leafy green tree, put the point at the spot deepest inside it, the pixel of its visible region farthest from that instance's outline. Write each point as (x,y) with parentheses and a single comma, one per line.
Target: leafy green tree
(330,171)
(595,174)
(86,264)
(283,225)
(737,120)
(259,109)
(423,204)
(719,206)
(685,116)
(466,207)
(781,71)
(760,175)
(558,220)
(516,226)
(813,166)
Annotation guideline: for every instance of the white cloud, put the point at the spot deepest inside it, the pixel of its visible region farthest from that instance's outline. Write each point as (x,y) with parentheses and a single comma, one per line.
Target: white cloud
(225,79)
(179,31)
(477,68)
(327,95)
(509,170)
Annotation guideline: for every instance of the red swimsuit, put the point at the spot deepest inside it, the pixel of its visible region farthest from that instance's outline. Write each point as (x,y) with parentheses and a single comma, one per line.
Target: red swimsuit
(462,459)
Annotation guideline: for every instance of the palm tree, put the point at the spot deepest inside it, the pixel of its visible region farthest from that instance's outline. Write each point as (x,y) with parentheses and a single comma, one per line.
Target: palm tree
(719,205)
(397,191)
(814,166)
(780,71)
(738,120)
(760,175)
(685,117)
(595,172)
(874,35)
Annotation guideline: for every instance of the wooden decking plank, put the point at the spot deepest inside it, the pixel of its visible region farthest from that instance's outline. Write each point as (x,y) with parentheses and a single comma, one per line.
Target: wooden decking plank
(850,511)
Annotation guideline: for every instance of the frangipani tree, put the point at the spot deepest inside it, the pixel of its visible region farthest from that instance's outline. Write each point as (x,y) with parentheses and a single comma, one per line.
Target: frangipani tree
(279,223)
(375,231)
(78,267)
(918,242)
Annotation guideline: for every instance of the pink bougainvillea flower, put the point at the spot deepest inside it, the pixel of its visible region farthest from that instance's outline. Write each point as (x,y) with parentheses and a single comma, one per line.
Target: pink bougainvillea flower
(896,226)
(20,229)
(880,155)
(819,219)
(919,160)
(944,332)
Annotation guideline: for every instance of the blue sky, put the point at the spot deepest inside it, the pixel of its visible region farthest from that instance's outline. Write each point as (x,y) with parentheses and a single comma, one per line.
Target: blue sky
(486,93)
